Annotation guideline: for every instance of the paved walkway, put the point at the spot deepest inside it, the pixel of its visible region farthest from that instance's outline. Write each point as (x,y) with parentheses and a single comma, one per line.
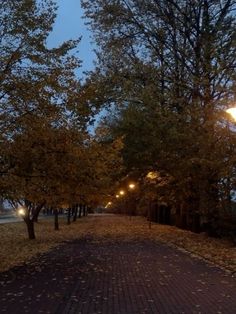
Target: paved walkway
(90,276)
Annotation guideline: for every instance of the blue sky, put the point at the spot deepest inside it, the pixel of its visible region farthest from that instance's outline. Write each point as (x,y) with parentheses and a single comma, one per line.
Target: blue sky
(70,25)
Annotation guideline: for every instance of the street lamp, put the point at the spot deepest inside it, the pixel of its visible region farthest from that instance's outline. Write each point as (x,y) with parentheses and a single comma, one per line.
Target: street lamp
(131,201)
(120,194)
(132,186)
(108,204)
(21,211)
(152,176)
(232,112)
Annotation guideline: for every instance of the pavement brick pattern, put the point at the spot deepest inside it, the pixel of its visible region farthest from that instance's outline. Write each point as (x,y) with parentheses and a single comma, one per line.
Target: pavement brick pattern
(117,277)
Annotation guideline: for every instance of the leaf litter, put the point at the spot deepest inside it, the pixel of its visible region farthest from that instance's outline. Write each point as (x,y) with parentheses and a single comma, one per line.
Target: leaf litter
(16,249)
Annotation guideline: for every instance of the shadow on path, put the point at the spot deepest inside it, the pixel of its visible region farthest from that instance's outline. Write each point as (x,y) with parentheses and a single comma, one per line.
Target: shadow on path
(93,276)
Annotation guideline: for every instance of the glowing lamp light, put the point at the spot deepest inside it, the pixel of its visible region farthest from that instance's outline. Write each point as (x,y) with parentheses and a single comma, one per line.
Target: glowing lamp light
(232,112)
(21,211)
(108,204)
(152,175)
(122,192)
(117,195)
(131,186)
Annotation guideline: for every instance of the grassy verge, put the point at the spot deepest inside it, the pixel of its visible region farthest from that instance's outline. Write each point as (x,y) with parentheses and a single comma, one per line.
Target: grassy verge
(16,249)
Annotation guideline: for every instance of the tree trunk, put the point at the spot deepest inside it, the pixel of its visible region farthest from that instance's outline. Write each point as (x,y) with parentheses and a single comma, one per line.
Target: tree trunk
(35,217)
(211,203)
(181,216)
(196,227)
(56,222)
(75,212)
(68,216)
(84,210)
(30,228)
(80,210)
(1,205)
(149,214)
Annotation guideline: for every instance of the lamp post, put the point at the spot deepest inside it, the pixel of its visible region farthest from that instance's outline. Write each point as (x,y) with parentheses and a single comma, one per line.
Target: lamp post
(151,178)
(132,202)
(131,186)
(119,195)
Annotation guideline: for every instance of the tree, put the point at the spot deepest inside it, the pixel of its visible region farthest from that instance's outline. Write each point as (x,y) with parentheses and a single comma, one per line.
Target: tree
(100,167)
(39,101)
(171,67)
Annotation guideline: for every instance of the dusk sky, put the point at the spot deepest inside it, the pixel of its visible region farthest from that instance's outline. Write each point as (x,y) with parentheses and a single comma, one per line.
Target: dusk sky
(70,25)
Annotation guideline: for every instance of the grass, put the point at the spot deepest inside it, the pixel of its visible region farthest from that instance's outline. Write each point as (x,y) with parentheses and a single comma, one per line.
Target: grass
(16,249)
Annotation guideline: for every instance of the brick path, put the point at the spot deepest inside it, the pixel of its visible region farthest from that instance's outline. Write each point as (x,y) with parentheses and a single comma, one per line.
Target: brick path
(89,276)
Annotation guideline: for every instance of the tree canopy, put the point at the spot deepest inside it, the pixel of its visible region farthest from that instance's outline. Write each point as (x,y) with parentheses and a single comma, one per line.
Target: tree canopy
(48,157)
(171,69)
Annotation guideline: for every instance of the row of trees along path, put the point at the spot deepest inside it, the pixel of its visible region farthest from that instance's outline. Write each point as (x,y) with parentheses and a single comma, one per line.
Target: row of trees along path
(48,157)
(168,71)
